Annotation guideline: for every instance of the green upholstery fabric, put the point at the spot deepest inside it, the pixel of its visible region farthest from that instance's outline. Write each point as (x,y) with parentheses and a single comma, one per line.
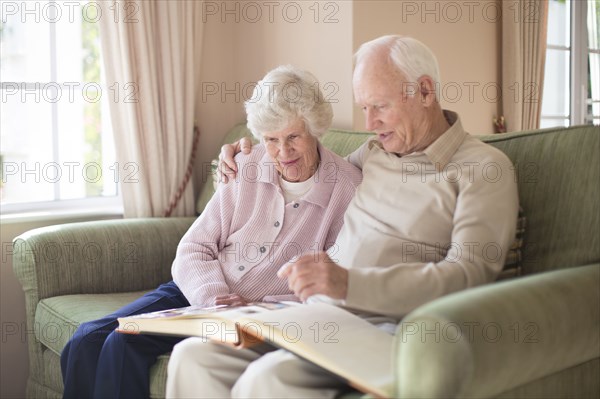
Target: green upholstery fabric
(98,257)
(559,175)
(104,257)
(158,377)
(236,133)
(59,316)
(580,381)
(512,264)
(52,374)
(344,142)
(490,339)
(78,272)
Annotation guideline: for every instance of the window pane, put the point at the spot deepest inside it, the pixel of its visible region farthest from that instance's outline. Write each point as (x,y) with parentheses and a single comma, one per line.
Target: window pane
(25,54)
(110,171)
(26,130)
(593,19)
(56,136)
(556,84)
(85,146)
(71,148)
(593,97)
(545,122)
(559,15)
(69,53)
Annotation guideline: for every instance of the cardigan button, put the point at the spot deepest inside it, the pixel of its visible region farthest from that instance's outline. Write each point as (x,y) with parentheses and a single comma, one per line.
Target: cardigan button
(263,250)
(241,268)
(276,224)
(296,205)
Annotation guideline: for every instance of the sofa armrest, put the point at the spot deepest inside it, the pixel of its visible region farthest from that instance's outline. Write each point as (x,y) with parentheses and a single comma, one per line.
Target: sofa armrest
(484,341)
(97,257)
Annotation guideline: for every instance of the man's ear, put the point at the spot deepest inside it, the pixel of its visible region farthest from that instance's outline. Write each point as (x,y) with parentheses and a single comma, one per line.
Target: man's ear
(427,88)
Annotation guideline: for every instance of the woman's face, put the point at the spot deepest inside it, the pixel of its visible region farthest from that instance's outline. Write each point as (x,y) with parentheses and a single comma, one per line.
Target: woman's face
(294,151)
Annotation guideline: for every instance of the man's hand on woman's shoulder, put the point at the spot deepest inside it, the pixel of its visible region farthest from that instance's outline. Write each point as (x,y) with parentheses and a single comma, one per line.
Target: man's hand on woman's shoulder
(227,168)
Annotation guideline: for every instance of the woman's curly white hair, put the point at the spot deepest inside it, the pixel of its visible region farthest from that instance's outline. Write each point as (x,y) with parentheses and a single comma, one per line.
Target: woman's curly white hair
(285,95)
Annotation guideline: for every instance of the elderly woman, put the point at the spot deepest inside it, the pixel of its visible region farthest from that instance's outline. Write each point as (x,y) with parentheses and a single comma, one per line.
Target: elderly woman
(289,199)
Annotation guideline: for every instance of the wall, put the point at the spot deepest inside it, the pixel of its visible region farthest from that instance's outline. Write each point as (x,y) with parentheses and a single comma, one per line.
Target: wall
(464,36)
(244,40)
(310,35)
(241,44)
(216,70)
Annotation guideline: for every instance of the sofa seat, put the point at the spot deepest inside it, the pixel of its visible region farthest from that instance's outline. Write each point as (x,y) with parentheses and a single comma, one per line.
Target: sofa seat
(61,315)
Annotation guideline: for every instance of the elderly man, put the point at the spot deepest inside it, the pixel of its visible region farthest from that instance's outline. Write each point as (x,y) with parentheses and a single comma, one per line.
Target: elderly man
(435,214)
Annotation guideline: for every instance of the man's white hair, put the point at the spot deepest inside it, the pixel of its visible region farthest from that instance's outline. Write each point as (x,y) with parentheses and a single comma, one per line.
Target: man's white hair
(412,58)
(285,95)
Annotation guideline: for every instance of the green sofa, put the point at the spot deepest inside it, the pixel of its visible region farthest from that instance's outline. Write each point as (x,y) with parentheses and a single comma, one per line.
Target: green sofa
(537,335)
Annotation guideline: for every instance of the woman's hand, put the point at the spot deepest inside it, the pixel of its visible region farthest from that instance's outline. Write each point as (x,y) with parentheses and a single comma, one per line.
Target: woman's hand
(227,169)
(230,300)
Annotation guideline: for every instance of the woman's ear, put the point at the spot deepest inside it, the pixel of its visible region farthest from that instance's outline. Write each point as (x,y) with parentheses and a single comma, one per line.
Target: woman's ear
(428,91)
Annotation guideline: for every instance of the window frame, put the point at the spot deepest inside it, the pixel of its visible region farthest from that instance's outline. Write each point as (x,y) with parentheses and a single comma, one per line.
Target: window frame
(578,52)
(578,65)
(112,204)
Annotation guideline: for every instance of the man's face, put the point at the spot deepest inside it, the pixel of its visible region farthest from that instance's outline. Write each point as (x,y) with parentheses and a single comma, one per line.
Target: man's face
(393,108)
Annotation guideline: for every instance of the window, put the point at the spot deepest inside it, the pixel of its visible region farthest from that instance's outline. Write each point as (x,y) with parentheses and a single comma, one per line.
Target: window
(572,74)
(56,137)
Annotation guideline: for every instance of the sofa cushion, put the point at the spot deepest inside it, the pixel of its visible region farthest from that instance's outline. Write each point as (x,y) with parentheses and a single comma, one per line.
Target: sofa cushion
(158,376)
(57,318)
(512,264)
(558,171)
(52,376)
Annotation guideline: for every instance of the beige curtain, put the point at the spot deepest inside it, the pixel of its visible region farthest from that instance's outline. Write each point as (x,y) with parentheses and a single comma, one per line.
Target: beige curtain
(524,30)
(149,49)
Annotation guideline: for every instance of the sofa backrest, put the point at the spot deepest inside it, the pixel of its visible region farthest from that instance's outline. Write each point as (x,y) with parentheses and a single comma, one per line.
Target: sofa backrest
(558,175)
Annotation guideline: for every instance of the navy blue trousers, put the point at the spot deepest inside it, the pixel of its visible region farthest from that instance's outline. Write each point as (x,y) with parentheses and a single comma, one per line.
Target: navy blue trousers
(101,363)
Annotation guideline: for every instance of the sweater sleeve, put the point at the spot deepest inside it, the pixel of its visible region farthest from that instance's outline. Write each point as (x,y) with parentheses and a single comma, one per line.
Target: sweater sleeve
(357,158)
(481,237)
(196,269)
(348,180)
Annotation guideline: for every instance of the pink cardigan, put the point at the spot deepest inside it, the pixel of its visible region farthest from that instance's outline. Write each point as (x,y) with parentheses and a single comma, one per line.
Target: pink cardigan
(247,232)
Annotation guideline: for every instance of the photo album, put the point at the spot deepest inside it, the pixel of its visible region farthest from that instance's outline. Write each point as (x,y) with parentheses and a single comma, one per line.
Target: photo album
(329,336)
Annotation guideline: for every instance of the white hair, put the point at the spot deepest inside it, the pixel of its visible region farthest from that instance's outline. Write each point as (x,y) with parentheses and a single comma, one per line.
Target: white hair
(412,58)
(285,95)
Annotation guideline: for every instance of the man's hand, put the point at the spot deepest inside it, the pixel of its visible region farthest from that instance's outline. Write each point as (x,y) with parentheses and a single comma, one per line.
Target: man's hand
(316,274)
(227,169)
(230,300)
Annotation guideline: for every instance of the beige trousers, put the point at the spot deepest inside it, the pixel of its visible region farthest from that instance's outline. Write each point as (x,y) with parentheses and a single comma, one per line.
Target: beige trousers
(199,369)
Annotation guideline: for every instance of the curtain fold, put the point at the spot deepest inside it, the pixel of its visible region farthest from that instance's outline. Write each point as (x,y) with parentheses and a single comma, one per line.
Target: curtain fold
(524,32)
(149,50)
